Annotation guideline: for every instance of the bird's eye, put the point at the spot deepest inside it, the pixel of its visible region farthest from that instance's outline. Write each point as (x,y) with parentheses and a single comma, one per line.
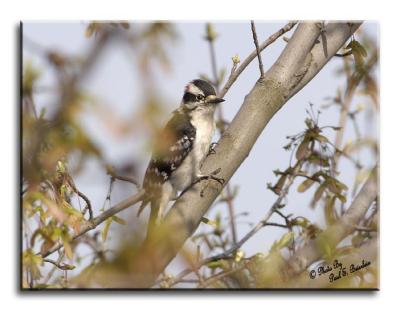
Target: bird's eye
(199,97)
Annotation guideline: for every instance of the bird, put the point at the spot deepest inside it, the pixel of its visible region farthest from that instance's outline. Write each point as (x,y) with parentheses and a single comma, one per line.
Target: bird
(180,149)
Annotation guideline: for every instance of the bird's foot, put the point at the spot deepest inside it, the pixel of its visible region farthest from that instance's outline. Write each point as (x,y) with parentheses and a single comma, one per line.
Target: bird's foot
(200,177)
(208,177)
(211,176)
(212,149)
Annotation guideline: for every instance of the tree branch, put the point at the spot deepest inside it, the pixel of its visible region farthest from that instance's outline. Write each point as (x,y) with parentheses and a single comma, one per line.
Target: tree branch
(235,74)
(255,39)
(113,174)
(337,34)
(339,230)
(90,225)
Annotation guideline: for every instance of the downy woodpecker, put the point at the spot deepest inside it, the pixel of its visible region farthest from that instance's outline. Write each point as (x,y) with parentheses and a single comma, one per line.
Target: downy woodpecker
(180,148)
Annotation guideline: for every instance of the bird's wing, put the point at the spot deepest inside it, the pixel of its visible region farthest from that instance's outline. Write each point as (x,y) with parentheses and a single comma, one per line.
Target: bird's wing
(172,146)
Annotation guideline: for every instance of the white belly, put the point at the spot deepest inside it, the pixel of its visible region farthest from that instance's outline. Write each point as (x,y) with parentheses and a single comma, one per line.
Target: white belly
(190,167)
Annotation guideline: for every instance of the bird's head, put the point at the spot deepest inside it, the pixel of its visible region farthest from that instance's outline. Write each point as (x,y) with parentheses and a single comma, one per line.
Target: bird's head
(200,95)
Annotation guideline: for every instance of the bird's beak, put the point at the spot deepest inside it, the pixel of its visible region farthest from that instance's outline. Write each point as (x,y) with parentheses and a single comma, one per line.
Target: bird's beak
(212,99)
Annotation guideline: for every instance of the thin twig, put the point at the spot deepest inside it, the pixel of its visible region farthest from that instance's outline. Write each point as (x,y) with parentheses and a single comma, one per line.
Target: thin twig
(231,210)
(260,64)
(88,204)
(59,265)
(90,225)
(111,172)
(214,63)
(344,54)
(80,194)
(50,274)
(221,275)
(235,74)
(274,224)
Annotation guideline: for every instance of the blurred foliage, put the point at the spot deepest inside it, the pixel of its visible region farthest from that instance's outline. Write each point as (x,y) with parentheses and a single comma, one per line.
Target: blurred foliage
(54,210)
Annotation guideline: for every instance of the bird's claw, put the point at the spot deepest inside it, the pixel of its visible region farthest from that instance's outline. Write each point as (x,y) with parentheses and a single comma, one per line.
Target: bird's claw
(212,176)
(199,178)
(212,149)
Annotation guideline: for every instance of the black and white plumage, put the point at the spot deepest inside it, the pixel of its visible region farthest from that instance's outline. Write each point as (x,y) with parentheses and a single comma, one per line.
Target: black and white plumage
(180,148)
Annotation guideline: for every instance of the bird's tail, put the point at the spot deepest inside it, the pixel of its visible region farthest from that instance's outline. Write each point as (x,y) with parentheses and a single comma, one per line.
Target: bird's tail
(152,224)
(142,206)
(154,206)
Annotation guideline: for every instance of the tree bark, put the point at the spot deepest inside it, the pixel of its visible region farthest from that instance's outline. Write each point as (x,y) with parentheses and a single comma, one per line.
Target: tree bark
(299,62)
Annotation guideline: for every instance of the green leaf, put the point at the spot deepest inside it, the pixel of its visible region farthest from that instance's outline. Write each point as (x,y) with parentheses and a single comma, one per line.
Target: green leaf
(221,263)
(29,77)
(118,220)
(285,240)
(301,221)
(209,221)
(302,150)
(67,267)
(277,189)
(325,245)
(341,185)
(318,159)
(305,185)
(68,249)
(235,59)
(239,256)
(327,250)
(61,168)
(321,139)
(107,225)
(358,52)
(335,186)
(318,193)
(359,48)
(309,123)
(341,197)
(31,262)
(211,34)
(90,29)
(330,215)
(358,60)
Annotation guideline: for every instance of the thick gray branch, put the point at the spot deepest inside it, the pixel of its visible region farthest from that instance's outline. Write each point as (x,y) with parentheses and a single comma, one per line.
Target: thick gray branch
(260,105)
(337,34)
